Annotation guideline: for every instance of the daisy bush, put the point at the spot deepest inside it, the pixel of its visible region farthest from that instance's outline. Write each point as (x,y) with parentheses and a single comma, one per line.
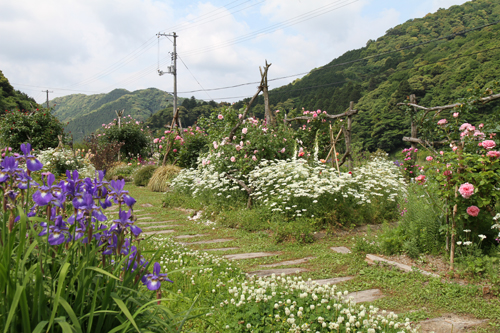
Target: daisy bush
(296,188)
(58,160)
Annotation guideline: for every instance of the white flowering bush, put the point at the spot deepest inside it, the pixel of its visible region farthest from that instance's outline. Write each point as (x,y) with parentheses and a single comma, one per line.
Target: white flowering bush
(296,188)
(290,304)
(58,160)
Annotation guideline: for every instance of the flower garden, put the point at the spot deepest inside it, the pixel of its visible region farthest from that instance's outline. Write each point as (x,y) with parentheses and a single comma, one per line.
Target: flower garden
(78,257)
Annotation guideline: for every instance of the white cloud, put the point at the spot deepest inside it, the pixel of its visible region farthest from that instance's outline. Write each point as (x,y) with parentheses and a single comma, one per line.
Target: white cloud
(63,44)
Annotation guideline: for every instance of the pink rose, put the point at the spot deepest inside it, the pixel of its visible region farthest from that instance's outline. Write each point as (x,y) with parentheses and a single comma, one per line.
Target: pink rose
(442,122)
(493,153)
(464,126)
(429,158)
(315,115)
(175,150)
(473,210)
(254,158)
(233,159)
(220,117)
(466,190)
(488,144)
(155,141)
(238,147)
(456,114)
(161,146)
(244,131)
(481,125)
(441,152)
(420,179)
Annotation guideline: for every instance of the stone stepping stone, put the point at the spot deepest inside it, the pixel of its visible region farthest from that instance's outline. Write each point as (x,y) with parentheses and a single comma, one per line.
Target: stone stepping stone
(369,295)
(210,241)
(371,259)
(190,236)
(154,222)
(222,249)
(251,255)
(146,205)
(279,271)
(146,218)
(289,262)
(449,323)
(333,280)
(147,214)
(341,249)
(159,227)
(158,232)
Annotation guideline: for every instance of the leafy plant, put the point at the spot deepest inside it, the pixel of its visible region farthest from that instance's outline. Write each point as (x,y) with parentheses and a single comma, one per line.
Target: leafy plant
(40,127)
(143,174)
(104,154)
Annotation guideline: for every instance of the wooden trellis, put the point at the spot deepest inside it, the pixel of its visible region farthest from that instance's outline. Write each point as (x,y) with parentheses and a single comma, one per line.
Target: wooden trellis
(333,141)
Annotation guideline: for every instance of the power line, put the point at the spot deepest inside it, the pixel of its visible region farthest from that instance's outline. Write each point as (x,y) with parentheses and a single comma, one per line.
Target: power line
(295,20)
(356,60)
(364,80)
(195,78)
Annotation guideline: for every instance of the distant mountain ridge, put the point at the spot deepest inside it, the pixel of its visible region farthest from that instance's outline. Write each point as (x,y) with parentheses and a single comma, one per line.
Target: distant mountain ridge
(86,113)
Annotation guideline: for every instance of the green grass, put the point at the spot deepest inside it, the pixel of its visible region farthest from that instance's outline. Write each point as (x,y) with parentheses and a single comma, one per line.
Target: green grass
(409,294)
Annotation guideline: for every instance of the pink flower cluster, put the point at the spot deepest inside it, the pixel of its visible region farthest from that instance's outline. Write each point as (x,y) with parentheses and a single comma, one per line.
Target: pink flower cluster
(473,210)
(420,179)
(442,122)
(487,144)
(408,152)
(466,190)
(493,153)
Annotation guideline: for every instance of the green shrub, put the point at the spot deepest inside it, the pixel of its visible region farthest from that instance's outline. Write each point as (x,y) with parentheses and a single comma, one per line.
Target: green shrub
(121,171)
(419,226)
(136,140)
(143,175)
(39,127)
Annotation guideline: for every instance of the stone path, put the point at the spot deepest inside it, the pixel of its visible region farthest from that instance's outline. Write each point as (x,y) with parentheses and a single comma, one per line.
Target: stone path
(437,325)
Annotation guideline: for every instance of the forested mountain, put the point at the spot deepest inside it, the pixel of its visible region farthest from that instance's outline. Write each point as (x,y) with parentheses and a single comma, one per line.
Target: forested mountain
(11,99)
(189,111)
(86,113)
(437,57)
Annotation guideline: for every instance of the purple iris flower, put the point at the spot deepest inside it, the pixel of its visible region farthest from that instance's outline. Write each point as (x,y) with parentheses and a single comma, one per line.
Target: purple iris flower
(9,167)
(23,179)
(58,233)
(153,281)
(124,222)
(44,194)
(31,162)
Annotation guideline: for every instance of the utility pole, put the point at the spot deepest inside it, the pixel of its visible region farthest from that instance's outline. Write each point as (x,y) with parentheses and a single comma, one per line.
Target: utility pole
(172,69)
(47,91)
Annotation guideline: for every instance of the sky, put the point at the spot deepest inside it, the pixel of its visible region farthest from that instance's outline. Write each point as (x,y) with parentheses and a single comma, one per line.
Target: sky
(95,46)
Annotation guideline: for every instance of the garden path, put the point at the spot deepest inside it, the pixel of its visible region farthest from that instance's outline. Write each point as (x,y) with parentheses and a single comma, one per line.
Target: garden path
(256,253)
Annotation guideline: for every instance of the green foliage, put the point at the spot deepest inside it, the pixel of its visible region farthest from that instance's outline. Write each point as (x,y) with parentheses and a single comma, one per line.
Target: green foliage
(143,175)
(131,133)
(419,227)
(11,99)
(39,127)
(121,171)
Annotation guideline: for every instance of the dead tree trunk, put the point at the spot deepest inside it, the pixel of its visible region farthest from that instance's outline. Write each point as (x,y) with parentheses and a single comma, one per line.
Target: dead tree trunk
(265,92)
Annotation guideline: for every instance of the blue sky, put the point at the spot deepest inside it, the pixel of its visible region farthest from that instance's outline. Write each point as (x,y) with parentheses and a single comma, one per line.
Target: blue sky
(95,46)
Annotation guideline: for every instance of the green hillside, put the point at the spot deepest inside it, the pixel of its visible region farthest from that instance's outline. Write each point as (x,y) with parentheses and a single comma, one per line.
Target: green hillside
(85,114)
(11,99)
(434,57)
